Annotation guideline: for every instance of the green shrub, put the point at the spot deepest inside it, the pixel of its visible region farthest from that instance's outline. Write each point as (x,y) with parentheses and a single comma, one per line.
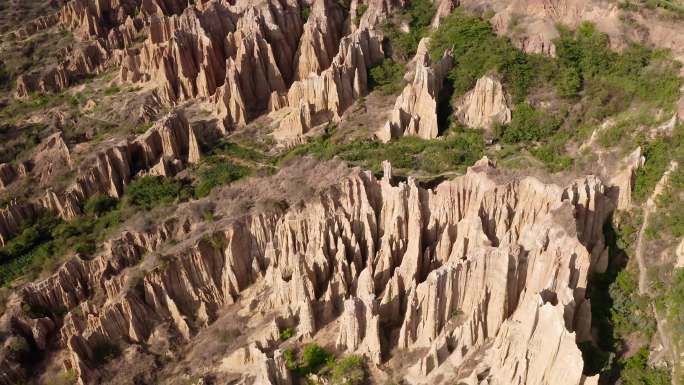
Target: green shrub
(477,50)
(657,154)
(418,15)
(631,311)
(290,359)
(217,172)
(112,90)
(387,77)
(348,371)
(286,334)
(635,370)
(552,157)
(449,153)
(99,204)
(313,358)
(529,124)
(40,244)
(675,303)
(584,57)
(105,351)
(87,247)
(152,191)
(360,10)
(305,12)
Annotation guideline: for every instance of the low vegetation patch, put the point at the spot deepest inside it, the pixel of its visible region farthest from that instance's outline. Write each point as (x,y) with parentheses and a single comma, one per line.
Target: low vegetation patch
(217,172)
(636,370)
(387,77)
(314,360)
(40,244)
(590,83)
(417,16)
(452,152)
(149,192)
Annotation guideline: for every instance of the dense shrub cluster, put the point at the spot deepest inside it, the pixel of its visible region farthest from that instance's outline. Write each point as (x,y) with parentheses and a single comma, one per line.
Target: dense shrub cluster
(312,359)
(348,370)
(418,16)
(387,77)
(149,192)
(591,81)
(636,370)
(215,172)
(477,50)
(436,156)
(630,312)
(586,61)
(40,244)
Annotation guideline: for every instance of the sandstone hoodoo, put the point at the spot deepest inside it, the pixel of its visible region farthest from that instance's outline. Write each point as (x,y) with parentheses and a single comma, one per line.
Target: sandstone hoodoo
(485,105)
(397,267)
(415,111)
(341,192)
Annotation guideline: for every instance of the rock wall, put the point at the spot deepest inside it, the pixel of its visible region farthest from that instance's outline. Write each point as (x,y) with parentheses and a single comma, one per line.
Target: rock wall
(415,110)
(485,105)
(448,273)
(166,148)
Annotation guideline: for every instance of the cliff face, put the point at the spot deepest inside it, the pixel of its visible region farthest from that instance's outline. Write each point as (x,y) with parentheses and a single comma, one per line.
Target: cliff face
(479,280)
(415,110)
(485,105)
(455,273)
(166,148)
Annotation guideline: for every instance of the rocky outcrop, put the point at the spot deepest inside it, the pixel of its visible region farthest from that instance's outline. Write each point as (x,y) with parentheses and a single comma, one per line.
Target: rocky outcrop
(623,180)
(39,24)
(7,175)
(231,53)
(320,40)
(360,326)
(13,216)
(323,98)
(415,111)
(166,148)
(87,58)
(92,19)
(447,270)
(170,141)
(521,351)
(484,105)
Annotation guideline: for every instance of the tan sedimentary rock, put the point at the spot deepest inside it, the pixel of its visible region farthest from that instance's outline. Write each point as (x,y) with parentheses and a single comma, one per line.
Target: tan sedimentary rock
(7,174)
(90,18)
(87,58)
(623,180)
(442,9)
(534,347)
(377,12)
(110,170)
(264,369)
(50,157)
(484,105)
(166,148)
(39,24)
(320,39)
(468,261)
(679,253)
(12,217)
(325,97)
(360,327)
(415,110)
